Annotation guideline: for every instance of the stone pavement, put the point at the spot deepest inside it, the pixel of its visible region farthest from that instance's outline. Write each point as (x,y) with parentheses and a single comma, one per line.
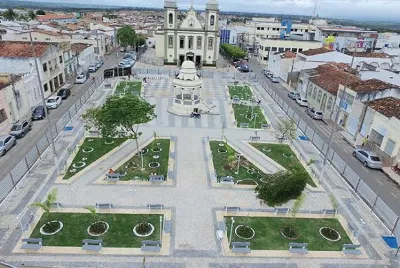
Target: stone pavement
(191,198)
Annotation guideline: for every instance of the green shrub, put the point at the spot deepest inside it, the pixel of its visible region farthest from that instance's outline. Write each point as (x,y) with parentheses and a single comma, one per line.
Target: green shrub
(233,51)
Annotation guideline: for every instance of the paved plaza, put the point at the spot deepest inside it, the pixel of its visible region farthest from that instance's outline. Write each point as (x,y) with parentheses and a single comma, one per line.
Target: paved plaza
(192,199)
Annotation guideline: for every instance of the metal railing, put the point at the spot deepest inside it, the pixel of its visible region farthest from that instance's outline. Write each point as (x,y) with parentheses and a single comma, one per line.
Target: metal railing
(28,161)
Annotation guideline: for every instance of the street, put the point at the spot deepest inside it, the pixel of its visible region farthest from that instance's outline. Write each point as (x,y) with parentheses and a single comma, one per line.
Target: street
(388,191)
(40,127)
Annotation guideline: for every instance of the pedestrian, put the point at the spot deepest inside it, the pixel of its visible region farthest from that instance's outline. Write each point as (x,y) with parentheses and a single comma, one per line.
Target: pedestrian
(365,140)
(117,55)
(111,171)
(129,77)
(93,79)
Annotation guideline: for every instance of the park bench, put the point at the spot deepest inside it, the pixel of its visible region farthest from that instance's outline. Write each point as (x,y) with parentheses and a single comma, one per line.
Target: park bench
(254,138)
(104,206)
(351,249)
(114,177)
(227,180)
(156,178)
(56,205)
(155,206)
(355,231)
(279,211)
(329,212)
(265,126)
(241,247)
(92,244)
(222,226)
(167,226)
(244,125)
(300,248)
(31,243)
(235,209)
(150,245)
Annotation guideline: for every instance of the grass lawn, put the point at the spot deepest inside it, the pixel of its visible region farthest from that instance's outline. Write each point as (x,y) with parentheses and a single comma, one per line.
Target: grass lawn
(129,87)
(276,154)
(225,164)
(119,234)
(243,115)
(133,165)
(99,147)
(243,92)
(268,233)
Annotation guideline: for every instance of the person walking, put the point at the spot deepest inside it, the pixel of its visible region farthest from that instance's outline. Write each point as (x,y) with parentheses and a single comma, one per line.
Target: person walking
(117,55)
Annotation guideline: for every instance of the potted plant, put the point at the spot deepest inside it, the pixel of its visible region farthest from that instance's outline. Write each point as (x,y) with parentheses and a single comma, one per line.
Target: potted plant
(51,227)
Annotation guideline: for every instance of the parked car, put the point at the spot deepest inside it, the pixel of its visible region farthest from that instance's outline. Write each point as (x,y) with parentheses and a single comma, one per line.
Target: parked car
(81,79)
(53,102)
(124,65)
(243,69)
(368,158)
(39,113)
(64,93)
(6,143)
(302,102)
(129,61)
(275,79)
(130,56)
(315,114)
(294,95)
(122,49)
(20,128)
(92,68)
(270,75)
(99,64)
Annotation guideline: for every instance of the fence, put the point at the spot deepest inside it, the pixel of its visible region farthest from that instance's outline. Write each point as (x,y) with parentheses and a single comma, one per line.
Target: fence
(383,211)
(24,166)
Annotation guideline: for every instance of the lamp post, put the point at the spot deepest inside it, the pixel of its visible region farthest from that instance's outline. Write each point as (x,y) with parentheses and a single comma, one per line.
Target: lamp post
(230,234)
(161,220)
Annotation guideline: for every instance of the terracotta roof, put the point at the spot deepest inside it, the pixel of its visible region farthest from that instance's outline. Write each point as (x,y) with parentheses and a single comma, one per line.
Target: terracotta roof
(49,17)
(315,51)
(3,85)
(79,47)
(389,107)
(289,55)
(369,55)
(370,85)
(46,32)
(22,49)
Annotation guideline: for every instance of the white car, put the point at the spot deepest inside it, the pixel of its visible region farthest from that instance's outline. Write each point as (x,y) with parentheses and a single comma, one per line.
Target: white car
(302,102)
(129,61)
(80,79)
(53,102)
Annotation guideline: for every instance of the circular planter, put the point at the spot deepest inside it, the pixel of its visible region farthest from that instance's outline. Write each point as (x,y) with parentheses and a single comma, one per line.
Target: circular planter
(43,232)
(156,156)
(88,150)
(222,151)
(285,234)
(156,150)
(154,165)
(79,164)
(93,234)
(158,143)
(329,234)
(132,165)
(109,142)
(90,140)
(144,151)
(143,235)
(242,237)
(287,156)
(84,159)
(250,171)
(266,150)
(72,170)
(221,144)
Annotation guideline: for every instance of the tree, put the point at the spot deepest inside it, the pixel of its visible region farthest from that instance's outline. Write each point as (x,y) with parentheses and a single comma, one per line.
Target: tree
(10,14)
(297,205)
(47,204)
(141,40)
(334,202)
(92,210)
(40,12)
(277,189)
(126,36)
(22,17)
(121,114)
(233,51)
(32,15)
(286,129)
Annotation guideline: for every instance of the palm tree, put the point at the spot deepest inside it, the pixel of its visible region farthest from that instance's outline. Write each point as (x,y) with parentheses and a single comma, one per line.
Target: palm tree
(22,17)
(32,15)
(92,211)
(47,204)
(10,14)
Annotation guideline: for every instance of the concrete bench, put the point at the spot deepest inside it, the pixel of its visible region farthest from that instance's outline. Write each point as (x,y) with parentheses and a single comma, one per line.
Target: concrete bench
(114,177)
(56,205)
(244,125)
(265,126)
(329,212)
(156,178)
(167,226)
(155,206)
(351,249)
(355,231)
(31,243)
(282,211)
(299,248)
(150,245)
(227,180)
(254,138)
(104,205)
(241,247)
(235,209)
(222,226)
(92,244)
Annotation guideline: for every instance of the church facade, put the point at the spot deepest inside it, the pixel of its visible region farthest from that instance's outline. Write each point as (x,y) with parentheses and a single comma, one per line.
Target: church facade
(189,39)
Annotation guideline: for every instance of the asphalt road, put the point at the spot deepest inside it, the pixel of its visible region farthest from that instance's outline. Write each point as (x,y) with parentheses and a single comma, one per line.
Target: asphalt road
(388,191)
(40,127)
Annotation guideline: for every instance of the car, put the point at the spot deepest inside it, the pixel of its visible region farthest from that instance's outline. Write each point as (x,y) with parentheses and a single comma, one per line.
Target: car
(122,49)
(39,113)
(20,128)
(99,64)
(124,65)
(64,93)
(129,61)
(302,102)
(130,56)
(270,75)
(92,68)
(81,79)
(294,95)
(368,158)
(53,102)
(275,79)
(243,68)
(6,143)
(315,114)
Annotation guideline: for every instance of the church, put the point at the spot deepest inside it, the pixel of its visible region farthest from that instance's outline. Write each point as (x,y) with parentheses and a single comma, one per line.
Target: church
(190,39)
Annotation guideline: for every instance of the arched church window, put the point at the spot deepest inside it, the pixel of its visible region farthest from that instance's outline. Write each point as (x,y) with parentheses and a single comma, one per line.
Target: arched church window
(171,18)
(212,18)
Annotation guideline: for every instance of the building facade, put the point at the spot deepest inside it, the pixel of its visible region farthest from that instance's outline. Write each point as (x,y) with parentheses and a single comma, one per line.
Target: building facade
(189,39)
(267,46)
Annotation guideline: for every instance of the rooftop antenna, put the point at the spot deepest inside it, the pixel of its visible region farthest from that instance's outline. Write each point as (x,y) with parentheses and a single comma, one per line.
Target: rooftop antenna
(191,3)
(315,10)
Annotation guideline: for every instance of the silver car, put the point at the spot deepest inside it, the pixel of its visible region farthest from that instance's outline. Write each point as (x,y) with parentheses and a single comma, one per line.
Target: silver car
(20,128)
(315,114)
(6,143)
(368,158)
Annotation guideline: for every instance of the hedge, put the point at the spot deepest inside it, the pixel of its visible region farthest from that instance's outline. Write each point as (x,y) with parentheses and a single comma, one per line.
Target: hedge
(233,51)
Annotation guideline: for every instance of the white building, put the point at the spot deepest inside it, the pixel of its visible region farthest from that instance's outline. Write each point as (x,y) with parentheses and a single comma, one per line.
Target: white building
(189,39)
(281,64)
(84,55)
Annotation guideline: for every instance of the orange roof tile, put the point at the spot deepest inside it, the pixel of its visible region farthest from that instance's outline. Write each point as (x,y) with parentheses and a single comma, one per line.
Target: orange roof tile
(389,107)
(315,51)
(79,47)
(50,16)
(370,85)
(368,55)
(22,49)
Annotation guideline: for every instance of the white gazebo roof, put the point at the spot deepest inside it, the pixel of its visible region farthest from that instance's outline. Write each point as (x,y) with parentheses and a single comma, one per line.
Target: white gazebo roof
(187,76)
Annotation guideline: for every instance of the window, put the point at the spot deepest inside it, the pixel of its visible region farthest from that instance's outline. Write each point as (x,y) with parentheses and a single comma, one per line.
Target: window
(198,42)
(267,48)
(60,58)
(273,49)
(182,42)
(314,95)
(376,137)
(280,49)
(294,49)
(170,42)
(329,106)
(210,43)
(190,42)
(262,28)
(258,28)
(319,96)
(349,99)
(390,144)
(44,67)
(170,18)
(212,18)
(24,38)
(265,58)
(306,31)
(45,87)
(287,49)
(268,29)
(47,39)
(273,29)
(309,90)
(3,115)
(300,49)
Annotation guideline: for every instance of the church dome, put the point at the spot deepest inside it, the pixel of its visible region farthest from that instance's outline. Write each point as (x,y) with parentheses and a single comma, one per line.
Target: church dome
(188,65)
(188,72)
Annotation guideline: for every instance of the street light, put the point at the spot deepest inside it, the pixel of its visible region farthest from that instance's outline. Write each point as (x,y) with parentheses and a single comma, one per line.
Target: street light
(161,220)
(230,235)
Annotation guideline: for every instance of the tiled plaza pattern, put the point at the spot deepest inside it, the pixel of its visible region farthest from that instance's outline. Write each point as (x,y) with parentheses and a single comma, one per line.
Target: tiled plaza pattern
(191,198)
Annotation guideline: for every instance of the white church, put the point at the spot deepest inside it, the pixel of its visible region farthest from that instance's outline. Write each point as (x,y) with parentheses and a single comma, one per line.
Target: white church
(189,39)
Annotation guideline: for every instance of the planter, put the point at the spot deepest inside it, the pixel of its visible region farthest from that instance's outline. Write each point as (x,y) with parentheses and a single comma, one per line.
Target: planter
(144,151)
(72,170)
(137,230)
(79,164)
(247,182)
(53,230)
(244,232)
(156,156)
(88,150)
(156,150)
(98,228)
(289,232)
(84,159)
(287,156)
(109,142)
(329,234)
(154,165)
(221,144)
(132,165)
(227,167)
(250,171)
(266,150)
(222,151)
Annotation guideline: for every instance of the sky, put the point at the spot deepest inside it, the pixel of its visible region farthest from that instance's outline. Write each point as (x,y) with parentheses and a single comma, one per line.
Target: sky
(384,10)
